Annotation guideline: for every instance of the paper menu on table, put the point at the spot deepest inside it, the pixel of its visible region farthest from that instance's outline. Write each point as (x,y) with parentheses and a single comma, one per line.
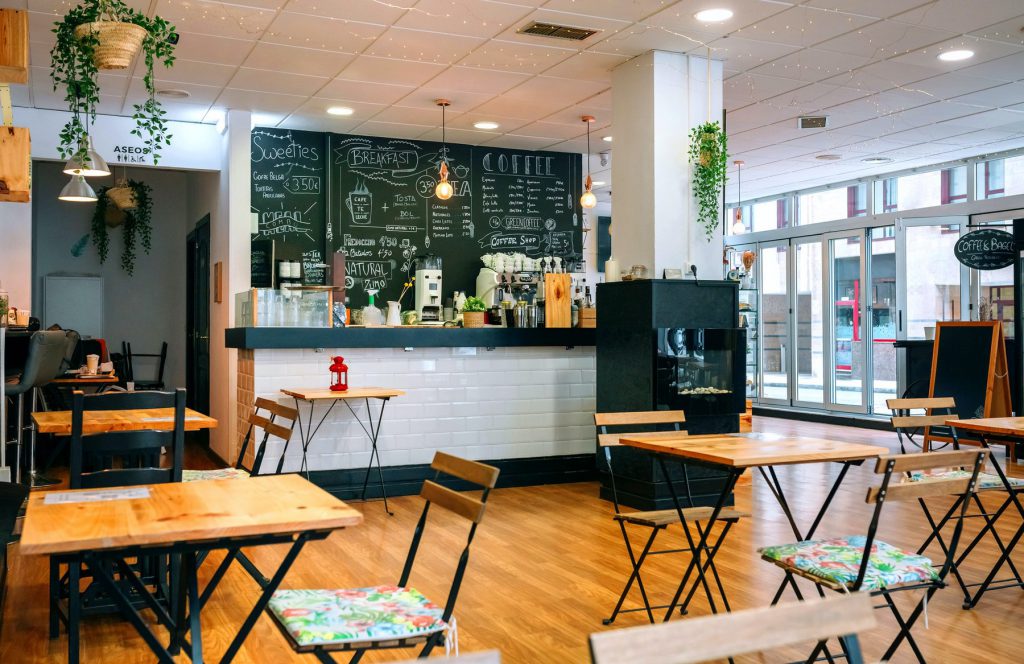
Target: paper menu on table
(100,495)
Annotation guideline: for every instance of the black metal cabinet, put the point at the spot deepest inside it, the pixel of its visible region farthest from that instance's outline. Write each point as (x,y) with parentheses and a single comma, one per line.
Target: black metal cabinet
(669,345)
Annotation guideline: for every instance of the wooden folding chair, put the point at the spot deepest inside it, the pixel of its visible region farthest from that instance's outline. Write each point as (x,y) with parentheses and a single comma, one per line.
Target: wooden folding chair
(713,638)
(270,426)
(857,563)
(655,520)
(392,616)
(938,410)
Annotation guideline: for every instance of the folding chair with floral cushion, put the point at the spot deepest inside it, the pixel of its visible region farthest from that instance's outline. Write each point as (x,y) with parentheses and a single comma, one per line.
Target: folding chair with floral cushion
(938,411)
(865,563)
(390,616)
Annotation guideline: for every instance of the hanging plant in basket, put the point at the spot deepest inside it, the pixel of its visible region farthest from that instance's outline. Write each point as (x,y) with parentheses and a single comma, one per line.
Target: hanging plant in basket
(134,221)
(108,34)
(709,159)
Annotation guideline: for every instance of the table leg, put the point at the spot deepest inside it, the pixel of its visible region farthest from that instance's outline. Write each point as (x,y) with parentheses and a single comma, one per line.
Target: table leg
(264,599)
(74,609)
(373,432)
(306,434)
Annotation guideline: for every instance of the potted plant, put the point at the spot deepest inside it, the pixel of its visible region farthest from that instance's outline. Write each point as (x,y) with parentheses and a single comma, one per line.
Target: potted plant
(108,34)
(709,159)
(135,223)
(473,312)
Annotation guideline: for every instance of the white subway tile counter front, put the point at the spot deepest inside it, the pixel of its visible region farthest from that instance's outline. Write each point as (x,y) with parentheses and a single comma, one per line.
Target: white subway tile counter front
(479,403)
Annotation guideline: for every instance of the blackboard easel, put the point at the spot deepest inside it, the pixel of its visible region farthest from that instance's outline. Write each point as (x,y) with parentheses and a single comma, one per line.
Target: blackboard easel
(969,364)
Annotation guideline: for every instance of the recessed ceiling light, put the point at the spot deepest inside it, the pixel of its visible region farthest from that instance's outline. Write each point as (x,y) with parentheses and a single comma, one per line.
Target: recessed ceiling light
(876,160)
(174,93)
(828,157)
(599,183)
(340,110)
(713,15)
(606,139)
(954,56)
(486,124)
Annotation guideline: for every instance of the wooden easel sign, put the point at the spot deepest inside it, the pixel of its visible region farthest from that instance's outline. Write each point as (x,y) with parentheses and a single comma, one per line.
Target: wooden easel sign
(969,364)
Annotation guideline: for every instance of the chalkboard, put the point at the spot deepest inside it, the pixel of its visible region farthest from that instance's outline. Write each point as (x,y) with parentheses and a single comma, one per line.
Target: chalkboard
(384,212)
(969,364)
(986,249)
(289,171)
(262,263)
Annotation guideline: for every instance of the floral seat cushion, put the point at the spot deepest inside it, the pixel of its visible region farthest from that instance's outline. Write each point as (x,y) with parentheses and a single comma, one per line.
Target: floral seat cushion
(218,474)
(985,480)
(837,562)
(352,615)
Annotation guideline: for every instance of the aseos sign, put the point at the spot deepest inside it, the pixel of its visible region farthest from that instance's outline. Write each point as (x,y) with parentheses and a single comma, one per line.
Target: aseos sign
(986,249)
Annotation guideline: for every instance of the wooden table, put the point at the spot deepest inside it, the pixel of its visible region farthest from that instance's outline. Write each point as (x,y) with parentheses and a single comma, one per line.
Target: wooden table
(94,381)
(104,421)
(307,431)
(1007,431)
(181,519)
(735,453)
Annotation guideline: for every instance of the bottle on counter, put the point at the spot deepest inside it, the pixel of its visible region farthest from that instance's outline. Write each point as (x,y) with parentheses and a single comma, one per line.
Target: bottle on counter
(588,301)
(575,313)
(372,316)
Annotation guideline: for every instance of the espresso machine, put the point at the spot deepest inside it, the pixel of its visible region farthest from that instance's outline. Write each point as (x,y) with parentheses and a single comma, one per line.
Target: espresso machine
(428,289)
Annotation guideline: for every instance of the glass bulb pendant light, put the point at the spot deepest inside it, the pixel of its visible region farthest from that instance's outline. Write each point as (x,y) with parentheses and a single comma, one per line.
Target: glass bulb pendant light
(738,226)
(77,191)
(588,200)
(444,189)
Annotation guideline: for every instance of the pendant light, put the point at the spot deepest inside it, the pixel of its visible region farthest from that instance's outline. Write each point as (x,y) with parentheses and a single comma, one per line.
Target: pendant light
(738,227)
(77,191)
(444,189)
(588,200)
(87,162)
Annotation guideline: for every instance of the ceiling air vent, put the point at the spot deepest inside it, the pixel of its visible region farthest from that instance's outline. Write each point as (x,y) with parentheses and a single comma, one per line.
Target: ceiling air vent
(812,122)
(556,31)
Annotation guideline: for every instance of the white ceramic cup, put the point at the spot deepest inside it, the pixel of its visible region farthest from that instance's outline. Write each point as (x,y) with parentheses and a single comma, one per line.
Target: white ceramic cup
(92,363)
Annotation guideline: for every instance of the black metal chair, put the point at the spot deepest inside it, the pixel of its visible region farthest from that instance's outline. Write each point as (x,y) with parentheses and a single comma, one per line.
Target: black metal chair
(360,619)
(161,358)
(656,521)
(852,564)
(117,459)
(43,364)
(12,498)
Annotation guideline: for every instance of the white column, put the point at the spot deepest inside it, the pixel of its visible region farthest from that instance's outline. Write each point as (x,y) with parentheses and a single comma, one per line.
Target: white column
(16,253)
(657,98)
(230,238)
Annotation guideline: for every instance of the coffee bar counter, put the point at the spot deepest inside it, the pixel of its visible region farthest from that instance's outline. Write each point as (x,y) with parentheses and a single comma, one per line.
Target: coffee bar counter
(406,337)
(521,399)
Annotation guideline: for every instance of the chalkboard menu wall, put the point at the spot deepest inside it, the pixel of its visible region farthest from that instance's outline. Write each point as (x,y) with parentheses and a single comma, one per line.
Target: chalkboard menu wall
(288,196)
(373,199)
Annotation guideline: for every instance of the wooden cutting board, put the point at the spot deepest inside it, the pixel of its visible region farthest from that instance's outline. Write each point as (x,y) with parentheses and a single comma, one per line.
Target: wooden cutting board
(557,300)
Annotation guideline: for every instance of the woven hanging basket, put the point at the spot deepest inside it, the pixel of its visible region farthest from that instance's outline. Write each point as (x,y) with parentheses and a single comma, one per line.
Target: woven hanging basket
(113,216)
(119,42)
(122,196)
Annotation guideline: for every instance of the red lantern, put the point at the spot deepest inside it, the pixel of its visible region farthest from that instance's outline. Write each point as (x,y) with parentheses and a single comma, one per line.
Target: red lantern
(339,375)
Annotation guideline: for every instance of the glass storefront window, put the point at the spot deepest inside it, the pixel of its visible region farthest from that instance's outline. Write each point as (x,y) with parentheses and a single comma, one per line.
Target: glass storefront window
(1000,177)
(920,190)
(933,278)
(763,216)
(832,204)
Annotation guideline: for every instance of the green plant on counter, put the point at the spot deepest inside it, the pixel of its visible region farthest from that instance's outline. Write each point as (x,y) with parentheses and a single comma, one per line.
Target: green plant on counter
(709,158)
(474,304)
(73,67)
(137,224)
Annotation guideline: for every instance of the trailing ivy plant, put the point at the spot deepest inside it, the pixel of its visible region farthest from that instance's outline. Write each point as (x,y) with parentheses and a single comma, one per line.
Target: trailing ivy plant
(137,226)
(73,68)
(709,158)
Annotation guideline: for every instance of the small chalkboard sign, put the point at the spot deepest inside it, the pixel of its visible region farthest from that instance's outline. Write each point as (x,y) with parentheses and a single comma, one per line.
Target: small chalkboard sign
(969,364)
(986,249)
(262,261)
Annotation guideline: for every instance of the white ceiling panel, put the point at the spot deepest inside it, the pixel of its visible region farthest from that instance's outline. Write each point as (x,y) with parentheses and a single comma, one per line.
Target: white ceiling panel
(812,65)
(423,46)
(951,85)
(745,89)
(588,66)
(476,80)
(746,13)
(1006,31)
(317,107)
(322,32)
(741,54)
(960,16)
(1009,68)
(373,93)
(392,130)
(263,102)
(554,130)
(520,142)
(482,19)
(983,52)
(516,57)
(871,8)
(198,94)
(885,39)
(505,125)
(1003,95)
(400,72)
(193,71)
(416,116)
(365,11)
(296,60)
(320,122)
(559,92)
(216,50)
(217,18)
(804,26)
(643,37)
(629,10)
(291,84)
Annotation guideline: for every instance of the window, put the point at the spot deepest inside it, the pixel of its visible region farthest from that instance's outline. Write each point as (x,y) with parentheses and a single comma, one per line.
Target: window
(763,216)
(919,190)
(1001,177)
(832,204)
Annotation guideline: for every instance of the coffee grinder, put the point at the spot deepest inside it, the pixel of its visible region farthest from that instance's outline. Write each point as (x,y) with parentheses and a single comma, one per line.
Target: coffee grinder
(428,289)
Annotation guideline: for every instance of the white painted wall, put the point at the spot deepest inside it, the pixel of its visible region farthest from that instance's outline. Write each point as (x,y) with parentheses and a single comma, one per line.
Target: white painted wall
(16,252)
(507,403)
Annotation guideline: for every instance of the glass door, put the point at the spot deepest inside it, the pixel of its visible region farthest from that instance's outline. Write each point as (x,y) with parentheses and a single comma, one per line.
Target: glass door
(808,307)
(883,313)
(847,370)
(775,345)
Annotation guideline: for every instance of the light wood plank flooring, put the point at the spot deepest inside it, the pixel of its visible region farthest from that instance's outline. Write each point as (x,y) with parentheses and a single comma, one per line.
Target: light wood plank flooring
(547,566)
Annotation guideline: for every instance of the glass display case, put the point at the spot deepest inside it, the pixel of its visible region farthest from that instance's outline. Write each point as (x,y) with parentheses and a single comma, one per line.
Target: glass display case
(307,306)
(701,370)
(740,268)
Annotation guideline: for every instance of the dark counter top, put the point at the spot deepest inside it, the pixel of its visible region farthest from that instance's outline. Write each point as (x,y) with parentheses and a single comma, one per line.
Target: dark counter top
(401,337)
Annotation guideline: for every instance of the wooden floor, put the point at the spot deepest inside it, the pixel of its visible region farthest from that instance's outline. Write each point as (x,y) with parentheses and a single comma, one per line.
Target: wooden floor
(547,566)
